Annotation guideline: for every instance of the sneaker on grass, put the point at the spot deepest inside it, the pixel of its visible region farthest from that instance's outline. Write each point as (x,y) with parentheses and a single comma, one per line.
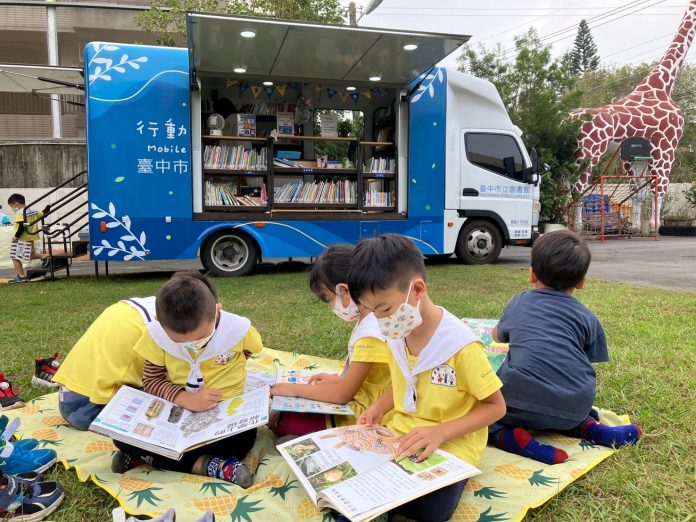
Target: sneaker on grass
(28,502)
(44,371)
(8,396)
(15,459)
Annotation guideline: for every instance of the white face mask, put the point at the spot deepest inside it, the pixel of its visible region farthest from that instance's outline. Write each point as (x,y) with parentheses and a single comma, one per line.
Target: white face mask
(351,313)
(402,322)
(196,347)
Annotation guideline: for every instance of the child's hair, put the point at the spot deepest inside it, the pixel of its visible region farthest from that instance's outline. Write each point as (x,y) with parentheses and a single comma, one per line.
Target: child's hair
(330,270)
(560,259)
(16,198)
(185,301)
(382,262)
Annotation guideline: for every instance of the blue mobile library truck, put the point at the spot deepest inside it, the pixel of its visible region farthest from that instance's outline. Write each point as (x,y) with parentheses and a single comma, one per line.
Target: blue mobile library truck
(236,150)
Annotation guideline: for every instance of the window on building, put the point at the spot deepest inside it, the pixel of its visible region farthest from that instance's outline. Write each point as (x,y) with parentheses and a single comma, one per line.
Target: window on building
(493,151)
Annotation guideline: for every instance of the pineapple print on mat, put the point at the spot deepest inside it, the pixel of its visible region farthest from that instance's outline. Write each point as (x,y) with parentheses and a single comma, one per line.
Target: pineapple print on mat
(54,420)
(469,513)
(230,507)
(305,364)
(480,491)
(558,439)
(47,438)
(140,491)
(307,510)
(535,478)
(32,407)
(99,446)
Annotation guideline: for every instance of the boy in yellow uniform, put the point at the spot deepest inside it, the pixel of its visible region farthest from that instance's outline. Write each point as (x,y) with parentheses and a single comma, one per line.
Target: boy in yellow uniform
(444,392)
(26,233)
(366,374)
(195,356)
(104,359)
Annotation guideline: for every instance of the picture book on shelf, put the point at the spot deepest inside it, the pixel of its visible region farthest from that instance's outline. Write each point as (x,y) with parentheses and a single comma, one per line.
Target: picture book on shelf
(285,123)
(299,404)
(329,125)
(356,471)
(143,420)
(246,125)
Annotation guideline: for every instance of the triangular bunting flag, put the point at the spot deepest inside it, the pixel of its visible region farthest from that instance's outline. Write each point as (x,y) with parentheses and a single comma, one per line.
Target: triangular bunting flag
(294,85)
(268,90)
(331,92)
(243,87)
(318,87)
(355,96)
(377,91)
(232,83)
(255,90)
(367,94)
(343,95)
(280,89)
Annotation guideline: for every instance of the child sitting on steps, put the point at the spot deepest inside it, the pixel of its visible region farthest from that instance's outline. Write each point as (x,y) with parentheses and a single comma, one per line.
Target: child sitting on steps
(366,374)
(549,383)
(183,365)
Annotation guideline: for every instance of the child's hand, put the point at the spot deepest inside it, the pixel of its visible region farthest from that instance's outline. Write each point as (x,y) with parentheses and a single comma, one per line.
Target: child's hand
(369,417)
(426,438)
(203,400)
(323,378)
(283,389)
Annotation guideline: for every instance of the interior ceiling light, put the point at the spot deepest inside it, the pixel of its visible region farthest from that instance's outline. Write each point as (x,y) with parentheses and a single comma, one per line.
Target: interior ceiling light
(410,47)
(351,88)
(268,84)
(375,78)
(247,33)
(240,70)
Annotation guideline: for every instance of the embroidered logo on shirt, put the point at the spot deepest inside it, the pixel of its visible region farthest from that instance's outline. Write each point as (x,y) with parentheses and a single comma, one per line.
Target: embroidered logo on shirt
(444,375)
(224,358)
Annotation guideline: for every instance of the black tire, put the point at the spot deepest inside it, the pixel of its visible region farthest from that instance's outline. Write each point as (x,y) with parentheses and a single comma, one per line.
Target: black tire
(227,253)
(479,243)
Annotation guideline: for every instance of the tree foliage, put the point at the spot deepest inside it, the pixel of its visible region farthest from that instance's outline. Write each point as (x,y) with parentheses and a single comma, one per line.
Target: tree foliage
(583,55)
(537,92)
(166,19)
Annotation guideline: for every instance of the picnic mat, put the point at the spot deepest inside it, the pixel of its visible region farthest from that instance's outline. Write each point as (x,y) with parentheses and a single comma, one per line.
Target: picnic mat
(507,487)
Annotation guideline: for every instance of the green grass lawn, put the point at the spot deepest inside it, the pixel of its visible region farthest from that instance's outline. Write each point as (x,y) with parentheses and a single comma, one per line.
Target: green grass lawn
(651,333)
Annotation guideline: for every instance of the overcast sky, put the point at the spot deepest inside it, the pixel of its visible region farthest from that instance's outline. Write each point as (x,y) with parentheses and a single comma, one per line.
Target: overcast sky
(624,31)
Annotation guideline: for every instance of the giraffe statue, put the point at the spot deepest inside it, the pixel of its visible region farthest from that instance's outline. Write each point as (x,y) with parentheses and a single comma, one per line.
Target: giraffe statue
(648,111)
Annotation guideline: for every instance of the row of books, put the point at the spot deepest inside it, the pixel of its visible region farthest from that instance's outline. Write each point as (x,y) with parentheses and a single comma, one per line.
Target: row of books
(234,157)
(382,165)
(377,194)
(342,191)
(386,134)
(226,194)
(268,108)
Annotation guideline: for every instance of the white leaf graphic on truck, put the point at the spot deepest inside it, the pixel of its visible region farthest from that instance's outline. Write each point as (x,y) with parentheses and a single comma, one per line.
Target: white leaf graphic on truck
(136,250)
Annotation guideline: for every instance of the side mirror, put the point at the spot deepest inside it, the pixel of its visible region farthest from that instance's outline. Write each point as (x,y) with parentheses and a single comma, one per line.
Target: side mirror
(509,165)
(531,174)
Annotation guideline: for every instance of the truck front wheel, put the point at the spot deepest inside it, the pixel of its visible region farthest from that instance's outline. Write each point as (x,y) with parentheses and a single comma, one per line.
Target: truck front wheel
(479,243)
(229,254)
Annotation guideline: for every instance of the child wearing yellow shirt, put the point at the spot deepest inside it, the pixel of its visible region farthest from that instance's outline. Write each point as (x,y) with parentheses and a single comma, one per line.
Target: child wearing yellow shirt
(366,374)
(195,356)
(444,392)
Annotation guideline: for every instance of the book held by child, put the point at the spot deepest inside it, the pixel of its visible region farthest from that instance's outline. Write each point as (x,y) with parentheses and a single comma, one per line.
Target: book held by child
(298,404)
(159,426)
(356,471)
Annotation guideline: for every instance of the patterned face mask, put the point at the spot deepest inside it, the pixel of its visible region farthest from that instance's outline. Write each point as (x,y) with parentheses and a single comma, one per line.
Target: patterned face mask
(196,347)
(402,322)
(351,313)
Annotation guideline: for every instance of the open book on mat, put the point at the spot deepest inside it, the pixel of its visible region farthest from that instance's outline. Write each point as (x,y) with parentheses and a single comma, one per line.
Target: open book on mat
(305,405)
(143,420)
(355,470)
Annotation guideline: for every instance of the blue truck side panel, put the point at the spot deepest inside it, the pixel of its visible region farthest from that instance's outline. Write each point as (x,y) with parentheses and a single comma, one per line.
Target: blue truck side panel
(140,171)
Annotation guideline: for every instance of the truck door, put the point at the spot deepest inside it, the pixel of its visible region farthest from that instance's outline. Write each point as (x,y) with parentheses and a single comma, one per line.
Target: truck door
(492,173)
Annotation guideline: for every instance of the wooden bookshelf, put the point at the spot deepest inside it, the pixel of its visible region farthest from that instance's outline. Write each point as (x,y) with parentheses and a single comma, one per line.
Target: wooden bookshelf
(312,171)
(312,138)
(235,172)
(235,138)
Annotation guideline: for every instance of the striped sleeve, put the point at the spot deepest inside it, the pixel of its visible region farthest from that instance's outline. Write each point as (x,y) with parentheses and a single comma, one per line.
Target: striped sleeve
(155,382)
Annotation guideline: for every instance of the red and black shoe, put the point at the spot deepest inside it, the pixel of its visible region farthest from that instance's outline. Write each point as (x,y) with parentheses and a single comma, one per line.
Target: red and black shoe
(8,396)
(45,370)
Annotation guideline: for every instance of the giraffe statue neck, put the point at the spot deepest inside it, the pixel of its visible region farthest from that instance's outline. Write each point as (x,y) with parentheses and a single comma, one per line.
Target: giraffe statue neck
(664,73)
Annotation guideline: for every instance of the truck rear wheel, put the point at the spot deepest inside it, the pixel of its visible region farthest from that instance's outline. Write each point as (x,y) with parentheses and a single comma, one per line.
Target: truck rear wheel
(228,253)
(479,243)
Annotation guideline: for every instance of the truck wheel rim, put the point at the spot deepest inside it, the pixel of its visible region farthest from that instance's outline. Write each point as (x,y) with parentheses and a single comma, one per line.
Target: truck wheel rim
(229,253)
(479,243)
